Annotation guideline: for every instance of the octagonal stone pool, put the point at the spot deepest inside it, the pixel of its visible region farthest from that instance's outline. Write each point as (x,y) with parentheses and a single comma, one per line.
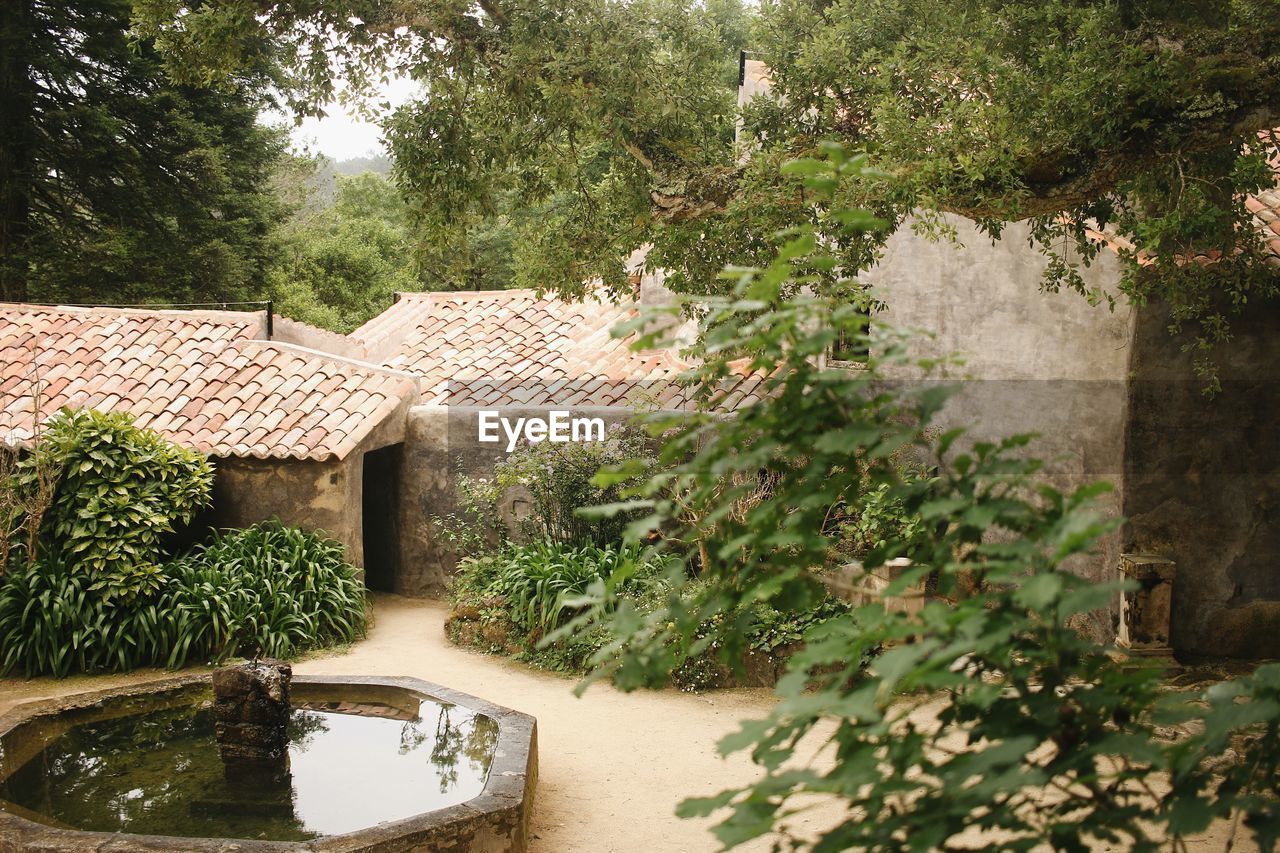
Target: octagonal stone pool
(373,763)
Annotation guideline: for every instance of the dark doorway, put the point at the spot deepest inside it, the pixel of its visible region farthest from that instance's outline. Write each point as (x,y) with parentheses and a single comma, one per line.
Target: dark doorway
(382,517)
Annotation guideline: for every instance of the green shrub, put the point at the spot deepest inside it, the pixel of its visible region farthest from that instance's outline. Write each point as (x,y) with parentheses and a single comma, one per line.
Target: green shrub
(56,622)
(475,527)
(101,593)
(271,590)
(120,491)
(536,582)
(507,602)
(268,588)
(560,480)
(519,600)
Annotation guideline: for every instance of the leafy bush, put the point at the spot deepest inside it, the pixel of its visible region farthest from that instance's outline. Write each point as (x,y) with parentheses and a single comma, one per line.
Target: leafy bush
(52,621)
(537,582)
(873,516)
(121,490)
(506,602)
(518,601)
(475,527)
(269,589)
(99,591)
(560,480)
(984,716)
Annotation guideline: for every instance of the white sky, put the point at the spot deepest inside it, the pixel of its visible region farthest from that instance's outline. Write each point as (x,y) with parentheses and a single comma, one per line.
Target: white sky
(342,135)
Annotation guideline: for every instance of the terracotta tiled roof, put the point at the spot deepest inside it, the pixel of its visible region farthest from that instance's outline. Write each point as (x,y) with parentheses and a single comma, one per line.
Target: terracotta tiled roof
(204,379)
(512,347)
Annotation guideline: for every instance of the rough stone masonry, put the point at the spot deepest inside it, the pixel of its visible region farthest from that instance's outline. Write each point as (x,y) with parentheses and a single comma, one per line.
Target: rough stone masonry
(251,706)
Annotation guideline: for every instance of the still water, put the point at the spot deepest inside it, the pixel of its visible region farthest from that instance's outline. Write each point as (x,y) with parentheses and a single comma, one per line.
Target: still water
(160,773)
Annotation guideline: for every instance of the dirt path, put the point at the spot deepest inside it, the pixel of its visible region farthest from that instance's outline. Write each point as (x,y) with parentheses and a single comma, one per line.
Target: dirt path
(612,766)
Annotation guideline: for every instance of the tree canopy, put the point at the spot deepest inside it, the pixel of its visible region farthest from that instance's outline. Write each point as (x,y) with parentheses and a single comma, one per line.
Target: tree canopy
(116,184)
(338,265)
(1147,119)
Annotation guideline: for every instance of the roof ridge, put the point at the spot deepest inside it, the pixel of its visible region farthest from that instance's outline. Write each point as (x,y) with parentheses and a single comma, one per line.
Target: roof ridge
(463,295)
(529,292)
(328,356)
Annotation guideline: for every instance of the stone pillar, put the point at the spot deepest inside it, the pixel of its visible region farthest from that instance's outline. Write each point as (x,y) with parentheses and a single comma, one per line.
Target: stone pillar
(251,706)
(1145,611)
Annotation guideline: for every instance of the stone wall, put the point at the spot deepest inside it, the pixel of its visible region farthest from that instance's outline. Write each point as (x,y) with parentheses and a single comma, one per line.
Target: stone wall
(1203,481)
(440,444)
(315,496)
(982,300)
(1034,362)
(1115,398)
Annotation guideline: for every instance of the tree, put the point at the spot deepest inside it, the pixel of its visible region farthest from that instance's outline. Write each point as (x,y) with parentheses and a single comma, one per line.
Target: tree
(580,107)
(340,265)
(1150,118)
(117,185)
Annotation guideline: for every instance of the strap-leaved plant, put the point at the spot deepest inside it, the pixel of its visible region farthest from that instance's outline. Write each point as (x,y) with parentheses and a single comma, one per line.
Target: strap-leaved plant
(982,713)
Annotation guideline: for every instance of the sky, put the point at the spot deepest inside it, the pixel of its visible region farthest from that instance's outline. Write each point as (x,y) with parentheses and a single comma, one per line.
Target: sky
(342,135)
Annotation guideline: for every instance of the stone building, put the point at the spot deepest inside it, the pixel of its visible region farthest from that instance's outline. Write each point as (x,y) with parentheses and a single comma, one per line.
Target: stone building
(288,425)
(361,436)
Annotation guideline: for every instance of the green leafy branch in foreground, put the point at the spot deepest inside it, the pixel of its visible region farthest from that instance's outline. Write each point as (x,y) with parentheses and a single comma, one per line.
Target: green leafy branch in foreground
(983,714)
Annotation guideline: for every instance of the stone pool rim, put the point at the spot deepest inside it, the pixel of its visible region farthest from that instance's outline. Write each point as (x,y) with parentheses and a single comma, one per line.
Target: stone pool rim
(498,814)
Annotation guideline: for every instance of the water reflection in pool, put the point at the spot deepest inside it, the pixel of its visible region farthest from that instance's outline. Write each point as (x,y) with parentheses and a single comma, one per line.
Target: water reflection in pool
(350,766)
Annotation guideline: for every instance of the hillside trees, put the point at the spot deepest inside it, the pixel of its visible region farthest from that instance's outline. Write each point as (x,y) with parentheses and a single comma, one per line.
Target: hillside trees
(580,106)
(338,265)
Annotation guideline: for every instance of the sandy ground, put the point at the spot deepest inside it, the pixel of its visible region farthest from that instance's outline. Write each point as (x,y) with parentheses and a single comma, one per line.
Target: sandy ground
(612,766)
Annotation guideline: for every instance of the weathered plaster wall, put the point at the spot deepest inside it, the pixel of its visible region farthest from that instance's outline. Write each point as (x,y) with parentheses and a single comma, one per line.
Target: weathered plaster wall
(1046,363)
(983,301)
(442,443)
(1203,481)
(323,496)
(311,495)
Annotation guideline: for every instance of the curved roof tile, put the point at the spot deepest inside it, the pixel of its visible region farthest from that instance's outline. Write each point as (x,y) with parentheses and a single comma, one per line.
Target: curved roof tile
(204,379)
